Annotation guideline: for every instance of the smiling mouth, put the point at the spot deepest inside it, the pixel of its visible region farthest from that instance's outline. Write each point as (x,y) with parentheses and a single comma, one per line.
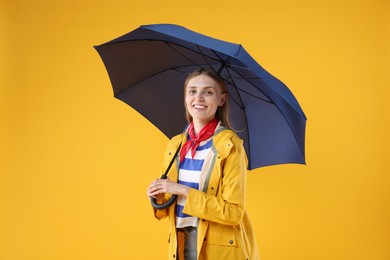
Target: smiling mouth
(198,106)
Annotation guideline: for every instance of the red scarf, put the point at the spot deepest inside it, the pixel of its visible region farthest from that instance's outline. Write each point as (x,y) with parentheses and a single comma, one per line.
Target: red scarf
(194,141)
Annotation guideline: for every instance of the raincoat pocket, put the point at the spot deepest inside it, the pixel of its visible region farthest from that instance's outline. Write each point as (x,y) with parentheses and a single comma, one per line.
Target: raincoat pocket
(222,235)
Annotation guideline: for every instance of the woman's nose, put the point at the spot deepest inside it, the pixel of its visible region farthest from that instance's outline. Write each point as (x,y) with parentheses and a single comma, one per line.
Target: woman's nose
(199,96)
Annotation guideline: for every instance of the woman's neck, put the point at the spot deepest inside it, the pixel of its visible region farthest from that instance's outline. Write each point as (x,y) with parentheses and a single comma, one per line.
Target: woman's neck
(198,125)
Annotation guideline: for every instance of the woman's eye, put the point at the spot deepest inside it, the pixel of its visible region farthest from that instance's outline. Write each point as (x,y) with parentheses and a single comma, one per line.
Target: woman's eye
(208,92)
(191,91)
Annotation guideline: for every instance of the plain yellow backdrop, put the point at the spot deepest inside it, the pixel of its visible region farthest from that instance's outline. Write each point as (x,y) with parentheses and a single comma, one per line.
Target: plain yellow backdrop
(75,162)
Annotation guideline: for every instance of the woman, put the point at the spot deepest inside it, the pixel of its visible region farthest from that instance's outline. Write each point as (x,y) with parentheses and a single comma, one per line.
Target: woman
(209,220)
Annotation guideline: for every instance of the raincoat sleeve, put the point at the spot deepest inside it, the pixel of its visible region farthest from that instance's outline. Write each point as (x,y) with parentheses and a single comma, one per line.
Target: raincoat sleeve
(161,213)
(225,199)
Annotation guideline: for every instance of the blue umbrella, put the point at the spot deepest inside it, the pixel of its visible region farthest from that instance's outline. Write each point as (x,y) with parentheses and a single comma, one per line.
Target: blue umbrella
(147,68)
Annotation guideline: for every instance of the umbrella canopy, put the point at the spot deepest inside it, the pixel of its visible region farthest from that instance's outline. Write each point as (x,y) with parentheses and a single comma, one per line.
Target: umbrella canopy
(148,66)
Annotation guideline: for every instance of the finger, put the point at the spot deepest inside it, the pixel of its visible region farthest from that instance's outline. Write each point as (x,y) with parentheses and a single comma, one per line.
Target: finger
(155,194)
(154,190)
(154,182)
(151,188)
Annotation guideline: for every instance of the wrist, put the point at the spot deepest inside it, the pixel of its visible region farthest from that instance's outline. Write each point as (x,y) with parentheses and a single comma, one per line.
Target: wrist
(184,191)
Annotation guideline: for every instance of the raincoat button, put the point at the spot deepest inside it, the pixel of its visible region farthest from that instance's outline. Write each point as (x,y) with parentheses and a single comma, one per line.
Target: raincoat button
(174,256)
(212,188)
(204,239)
(170,153)
(231,242)
(203,221)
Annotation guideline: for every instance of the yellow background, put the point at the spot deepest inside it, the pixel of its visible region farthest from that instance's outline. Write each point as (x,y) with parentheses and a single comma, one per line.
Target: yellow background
(75,162)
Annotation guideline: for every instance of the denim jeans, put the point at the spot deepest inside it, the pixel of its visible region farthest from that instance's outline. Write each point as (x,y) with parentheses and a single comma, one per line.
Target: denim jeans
(190,237)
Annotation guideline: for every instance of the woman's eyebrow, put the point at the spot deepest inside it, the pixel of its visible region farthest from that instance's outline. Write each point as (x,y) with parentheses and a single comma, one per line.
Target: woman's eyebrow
(201,87)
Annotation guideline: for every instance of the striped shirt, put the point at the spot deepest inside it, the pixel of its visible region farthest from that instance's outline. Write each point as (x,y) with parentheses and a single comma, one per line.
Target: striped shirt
(189,174)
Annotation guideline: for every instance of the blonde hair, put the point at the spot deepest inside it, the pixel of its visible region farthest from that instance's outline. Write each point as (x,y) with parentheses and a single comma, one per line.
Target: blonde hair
(222,113)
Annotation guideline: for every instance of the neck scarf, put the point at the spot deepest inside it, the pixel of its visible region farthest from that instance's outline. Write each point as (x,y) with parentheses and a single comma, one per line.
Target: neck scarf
(194,141)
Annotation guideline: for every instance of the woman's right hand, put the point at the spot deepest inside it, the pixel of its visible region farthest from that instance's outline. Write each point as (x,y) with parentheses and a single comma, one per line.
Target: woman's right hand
(162,186)
(153,192)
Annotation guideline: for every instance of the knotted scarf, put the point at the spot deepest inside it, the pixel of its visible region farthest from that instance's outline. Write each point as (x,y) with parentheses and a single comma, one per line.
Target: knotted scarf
(194,140)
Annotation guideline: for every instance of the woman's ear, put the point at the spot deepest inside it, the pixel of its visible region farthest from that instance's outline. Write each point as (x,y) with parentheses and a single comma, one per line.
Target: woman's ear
(223,99)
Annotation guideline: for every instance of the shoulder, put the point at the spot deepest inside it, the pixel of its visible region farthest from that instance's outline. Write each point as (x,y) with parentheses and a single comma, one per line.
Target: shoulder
(175,141)
(227,141)
(230,146)
(227,135)
(178,138)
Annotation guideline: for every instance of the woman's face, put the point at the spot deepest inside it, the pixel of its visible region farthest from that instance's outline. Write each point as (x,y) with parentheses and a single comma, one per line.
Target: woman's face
(203,96)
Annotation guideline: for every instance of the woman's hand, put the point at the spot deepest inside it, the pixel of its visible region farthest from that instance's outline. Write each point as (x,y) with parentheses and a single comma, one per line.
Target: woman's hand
(159,187)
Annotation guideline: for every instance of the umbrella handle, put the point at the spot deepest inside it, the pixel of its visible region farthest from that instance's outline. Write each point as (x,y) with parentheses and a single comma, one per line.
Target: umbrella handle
(167,204)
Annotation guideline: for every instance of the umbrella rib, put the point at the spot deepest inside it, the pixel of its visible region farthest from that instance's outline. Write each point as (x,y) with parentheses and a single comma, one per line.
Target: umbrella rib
(237,103)
(169,45)
(203,55)
(246,92)
(224,63)
(235,88)
(253,85)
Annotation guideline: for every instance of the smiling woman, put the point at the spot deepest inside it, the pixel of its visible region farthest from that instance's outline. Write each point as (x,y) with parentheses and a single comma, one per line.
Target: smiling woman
(209,220)
(202,98)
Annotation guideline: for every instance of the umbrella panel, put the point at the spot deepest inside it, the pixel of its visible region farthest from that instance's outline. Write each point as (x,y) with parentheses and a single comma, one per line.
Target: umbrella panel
(162,105)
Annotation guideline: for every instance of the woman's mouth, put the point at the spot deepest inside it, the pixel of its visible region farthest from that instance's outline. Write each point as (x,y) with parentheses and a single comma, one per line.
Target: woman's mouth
(199,106)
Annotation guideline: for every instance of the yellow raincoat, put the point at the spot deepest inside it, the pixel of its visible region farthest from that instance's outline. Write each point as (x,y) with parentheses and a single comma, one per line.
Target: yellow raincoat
(224,229)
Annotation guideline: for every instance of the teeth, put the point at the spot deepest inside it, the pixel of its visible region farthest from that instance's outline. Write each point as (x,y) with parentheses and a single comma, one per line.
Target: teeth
(198,106)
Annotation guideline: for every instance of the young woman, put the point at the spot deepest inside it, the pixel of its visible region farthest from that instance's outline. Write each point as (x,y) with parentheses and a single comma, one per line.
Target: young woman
(209,220)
